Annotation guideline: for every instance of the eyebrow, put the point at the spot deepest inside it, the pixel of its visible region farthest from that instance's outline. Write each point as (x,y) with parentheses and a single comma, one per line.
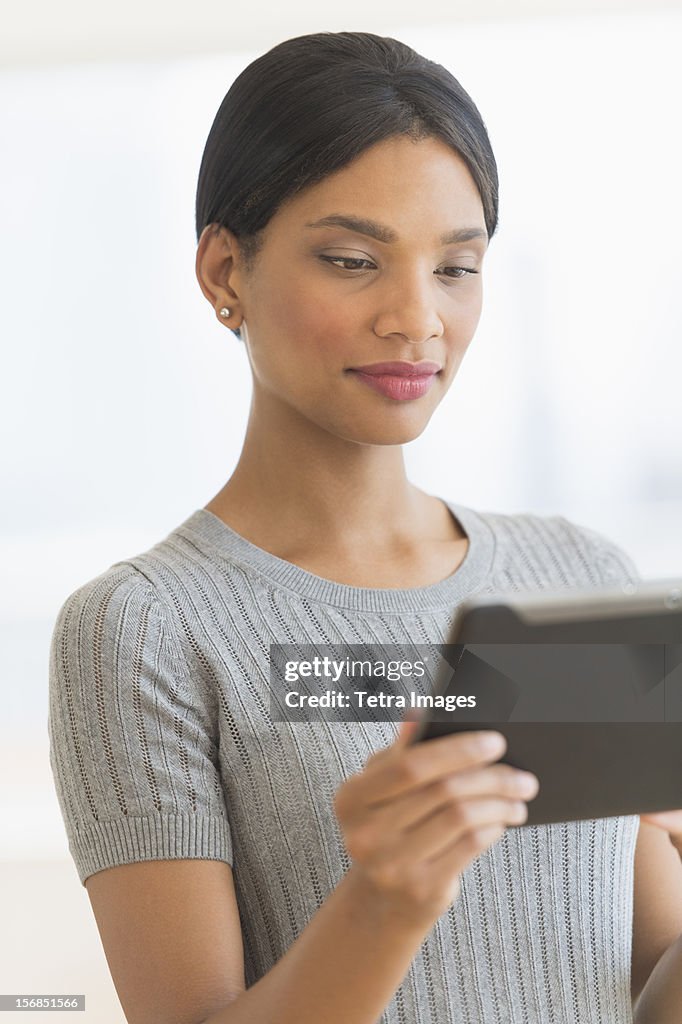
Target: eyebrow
(363,226)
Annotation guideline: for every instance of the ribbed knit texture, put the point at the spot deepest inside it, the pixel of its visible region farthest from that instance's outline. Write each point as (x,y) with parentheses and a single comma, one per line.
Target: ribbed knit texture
(162,746)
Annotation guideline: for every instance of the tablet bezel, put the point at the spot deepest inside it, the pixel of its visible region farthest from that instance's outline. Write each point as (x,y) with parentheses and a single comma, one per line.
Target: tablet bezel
(648,611)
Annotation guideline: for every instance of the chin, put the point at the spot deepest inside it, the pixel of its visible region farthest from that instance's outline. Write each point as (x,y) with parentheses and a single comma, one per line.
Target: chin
(379,433)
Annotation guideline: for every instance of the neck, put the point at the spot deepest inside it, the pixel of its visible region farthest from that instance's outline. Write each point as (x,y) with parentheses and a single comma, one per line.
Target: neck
(309,488)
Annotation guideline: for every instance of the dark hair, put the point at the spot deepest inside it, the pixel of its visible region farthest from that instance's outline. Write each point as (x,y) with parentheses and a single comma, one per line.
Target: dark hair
(308,107)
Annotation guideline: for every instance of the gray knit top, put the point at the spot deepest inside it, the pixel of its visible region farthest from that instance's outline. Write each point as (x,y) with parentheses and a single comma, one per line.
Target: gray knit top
(162,746)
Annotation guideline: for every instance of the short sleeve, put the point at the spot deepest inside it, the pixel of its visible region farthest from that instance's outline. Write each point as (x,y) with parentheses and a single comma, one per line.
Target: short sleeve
(133,743)
(606,560)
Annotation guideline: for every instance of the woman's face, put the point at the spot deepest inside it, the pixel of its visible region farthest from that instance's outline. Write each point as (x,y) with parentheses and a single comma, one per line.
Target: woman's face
(324,299)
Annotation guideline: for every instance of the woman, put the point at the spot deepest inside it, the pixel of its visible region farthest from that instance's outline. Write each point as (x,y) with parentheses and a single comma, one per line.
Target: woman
(245,869)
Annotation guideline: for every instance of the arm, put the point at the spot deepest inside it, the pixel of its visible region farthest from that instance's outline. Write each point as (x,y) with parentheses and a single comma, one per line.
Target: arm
(172,938)
(171,935)
(413,819)
(343,969)
(657,929)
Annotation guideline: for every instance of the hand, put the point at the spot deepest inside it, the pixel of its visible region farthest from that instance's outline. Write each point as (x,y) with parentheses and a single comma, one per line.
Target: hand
(417,815)
(671,821)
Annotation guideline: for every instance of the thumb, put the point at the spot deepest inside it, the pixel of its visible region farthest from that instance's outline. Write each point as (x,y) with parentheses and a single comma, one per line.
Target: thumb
(408,728)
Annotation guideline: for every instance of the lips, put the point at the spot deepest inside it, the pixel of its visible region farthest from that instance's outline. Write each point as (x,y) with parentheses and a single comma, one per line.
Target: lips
(400,380)
(400,369)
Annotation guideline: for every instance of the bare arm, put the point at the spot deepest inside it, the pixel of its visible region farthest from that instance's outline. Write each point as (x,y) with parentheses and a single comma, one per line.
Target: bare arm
(343,968)
(172,938)
(657,929)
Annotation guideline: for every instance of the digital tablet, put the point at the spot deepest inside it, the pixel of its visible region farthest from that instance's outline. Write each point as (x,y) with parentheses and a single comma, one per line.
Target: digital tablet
(586,686)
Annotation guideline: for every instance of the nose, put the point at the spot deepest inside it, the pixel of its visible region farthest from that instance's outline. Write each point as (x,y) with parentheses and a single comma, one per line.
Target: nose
(408,308)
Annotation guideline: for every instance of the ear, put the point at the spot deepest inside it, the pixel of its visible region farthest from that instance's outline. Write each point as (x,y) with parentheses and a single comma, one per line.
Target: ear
(217,272)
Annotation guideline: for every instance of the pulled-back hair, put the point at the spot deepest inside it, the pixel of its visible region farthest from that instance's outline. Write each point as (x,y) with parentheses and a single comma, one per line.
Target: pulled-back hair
(308,107)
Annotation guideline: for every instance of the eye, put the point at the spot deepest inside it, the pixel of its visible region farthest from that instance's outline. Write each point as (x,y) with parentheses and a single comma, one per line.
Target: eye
(344,259)
(461,271)
(356,264)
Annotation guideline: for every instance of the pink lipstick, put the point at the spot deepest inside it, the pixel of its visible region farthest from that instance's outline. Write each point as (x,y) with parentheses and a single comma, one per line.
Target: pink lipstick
(398,380)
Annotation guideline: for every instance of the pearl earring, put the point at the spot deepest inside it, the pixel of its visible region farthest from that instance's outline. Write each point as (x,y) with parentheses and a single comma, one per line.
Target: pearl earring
(225,311)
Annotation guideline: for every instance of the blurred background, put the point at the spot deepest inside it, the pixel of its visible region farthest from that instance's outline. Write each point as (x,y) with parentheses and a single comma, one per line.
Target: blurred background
(124,401)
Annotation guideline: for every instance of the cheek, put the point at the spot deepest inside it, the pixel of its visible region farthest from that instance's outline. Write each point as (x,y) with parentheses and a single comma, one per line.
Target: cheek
(315,323)
(461,328)
(300,337)
(466,316)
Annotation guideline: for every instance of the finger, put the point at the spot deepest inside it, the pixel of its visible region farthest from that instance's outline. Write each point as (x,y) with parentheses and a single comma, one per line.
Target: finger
(460,853)
(406,730)
(498,780)
(441,831)
(409,769)
(668,820)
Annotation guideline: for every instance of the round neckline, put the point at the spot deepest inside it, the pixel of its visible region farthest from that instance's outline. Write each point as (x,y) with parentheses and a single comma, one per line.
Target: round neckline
(473,569)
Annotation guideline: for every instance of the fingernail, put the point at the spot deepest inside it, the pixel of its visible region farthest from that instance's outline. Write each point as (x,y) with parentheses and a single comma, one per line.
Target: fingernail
(491,742)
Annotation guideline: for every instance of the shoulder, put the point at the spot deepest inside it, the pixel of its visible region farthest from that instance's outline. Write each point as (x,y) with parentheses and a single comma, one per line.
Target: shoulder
(107,605)
(113,635)
(602,557)
(121,579)
(552,550)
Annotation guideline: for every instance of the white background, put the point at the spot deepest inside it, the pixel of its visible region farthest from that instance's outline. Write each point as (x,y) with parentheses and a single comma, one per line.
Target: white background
(124,401)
